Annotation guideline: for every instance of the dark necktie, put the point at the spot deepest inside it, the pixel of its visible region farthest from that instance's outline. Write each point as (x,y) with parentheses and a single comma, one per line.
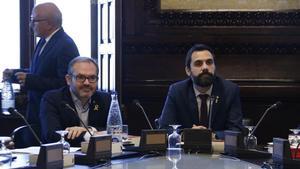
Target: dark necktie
(37,54)
(203,113)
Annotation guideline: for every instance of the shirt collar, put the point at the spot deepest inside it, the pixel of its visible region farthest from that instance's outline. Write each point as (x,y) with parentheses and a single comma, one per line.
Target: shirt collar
(50,36)
(208,92)
(77,101)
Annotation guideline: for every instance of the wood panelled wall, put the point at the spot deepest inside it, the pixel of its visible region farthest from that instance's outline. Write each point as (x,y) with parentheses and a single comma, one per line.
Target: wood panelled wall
(257,50)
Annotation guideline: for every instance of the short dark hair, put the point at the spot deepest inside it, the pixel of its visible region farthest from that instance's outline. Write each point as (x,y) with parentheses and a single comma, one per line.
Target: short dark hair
(81,59)
(196,47)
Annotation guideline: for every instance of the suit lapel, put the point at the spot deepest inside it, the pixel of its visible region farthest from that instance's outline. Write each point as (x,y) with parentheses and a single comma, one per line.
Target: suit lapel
(67,99)
(49,46)
(94,110)
(193,105)
(217,93)
(37,56)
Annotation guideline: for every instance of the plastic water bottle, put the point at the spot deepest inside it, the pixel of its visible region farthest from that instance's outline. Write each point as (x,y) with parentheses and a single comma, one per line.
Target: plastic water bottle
(114,119)
(7,97)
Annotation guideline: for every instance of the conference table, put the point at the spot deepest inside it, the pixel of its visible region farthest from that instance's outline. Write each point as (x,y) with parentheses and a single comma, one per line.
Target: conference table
(187,161)
(150,161)
(163,160)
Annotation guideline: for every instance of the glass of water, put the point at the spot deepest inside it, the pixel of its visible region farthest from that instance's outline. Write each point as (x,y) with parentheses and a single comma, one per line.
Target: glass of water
(66,145)
(174,155)
(125,133)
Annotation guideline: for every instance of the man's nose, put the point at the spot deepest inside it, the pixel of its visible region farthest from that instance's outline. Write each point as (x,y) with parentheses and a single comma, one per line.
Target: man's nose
(86,81)
(204,66)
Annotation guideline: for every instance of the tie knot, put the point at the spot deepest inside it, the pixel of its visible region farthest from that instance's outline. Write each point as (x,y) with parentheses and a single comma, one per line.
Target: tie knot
(203,96)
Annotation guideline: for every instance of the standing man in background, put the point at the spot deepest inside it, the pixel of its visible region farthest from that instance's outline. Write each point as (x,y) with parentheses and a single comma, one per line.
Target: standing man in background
(187,103)
(52,54)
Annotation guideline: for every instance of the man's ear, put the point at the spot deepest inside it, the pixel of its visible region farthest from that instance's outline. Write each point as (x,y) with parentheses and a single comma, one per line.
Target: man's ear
(68,79)
(187,71)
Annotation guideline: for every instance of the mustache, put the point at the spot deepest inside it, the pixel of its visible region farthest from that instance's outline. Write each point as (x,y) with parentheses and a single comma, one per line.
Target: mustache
(205,72)
(86,87)
(204,79)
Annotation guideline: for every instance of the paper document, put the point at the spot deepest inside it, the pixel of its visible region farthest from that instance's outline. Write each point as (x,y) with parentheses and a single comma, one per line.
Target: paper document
(36,150)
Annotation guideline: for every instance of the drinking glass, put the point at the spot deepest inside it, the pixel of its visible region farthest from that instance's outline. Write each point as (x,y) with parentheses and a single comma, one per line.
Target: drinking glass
(66,145)
(174,139)
(174,155)
(294,138)
(125,133)
(5,154)
(251,140)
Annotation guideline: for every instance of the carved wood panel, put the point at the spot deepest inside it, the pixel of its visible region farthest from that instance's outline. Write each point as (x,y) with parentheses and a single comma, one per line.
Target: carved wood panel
(259,50)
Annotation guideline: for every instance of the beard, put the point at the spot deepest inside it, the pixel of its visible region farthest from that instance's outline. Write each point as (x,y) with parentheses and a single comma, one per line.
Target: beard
(83,91)
(204,79)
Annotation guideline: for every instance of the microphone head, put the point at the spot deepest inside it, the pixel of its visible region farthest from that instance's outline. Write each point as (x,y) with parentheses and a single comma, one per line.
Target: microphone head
(277,104)
(136,102)
(11,110)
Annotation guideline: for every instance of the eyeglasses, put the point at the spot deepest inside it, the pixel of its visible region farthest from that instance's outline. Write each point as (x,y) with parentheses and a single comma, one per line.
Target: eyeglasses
(82,78)
(33,20)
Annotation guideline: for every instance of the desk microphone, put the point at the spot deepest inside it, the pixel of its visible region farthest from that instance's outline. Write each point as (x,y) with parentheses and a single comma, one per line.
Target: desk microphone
(77,116)
(15,111)
(137,103)
(273,106)
(212,100)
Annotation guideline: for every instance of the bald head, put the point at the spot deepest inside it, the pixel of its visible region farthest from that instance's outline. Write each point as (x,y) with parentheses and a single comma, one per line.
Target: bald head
(50,12)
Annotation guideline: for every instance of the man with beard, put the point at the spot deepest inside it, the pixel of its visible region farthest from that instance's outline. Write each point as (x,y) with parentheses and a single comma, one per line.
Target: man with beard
(62,108)
(188,101)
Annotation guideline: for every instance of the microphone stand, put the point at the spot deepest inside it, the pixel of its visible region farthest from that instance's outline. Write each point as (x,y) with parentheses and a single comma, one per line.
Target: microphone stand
(76,114)
(26,122)
(212,99)
(263,116)
(141,107)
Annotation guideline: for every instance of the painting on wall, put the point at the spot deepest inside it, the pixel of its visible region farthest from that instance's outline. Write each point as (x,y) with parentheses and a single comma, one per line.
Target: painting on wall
(230,5)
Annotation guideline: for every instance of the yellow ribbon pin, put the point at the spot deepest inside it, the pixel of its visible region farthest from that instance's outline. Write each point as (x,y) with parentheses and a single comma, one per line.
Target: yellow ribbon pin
(96,108)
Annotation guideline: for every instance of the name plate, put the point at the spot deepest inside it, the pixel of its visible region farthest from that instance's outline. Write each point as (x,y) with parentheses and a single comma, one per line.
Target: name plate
(99,150)
(197,140)
(282,154)
(234,146)
(154,140)
(50,156)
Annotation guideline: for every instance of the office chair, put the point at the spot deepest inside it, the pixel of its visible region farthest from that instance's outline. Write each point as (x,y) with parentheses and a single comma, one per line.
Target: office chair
(23,137)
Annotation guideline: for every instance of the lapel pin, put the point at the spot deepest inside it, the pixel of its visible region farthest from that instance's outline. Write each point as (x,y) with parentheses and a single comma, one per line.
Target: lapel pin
(96,107)
(217,99)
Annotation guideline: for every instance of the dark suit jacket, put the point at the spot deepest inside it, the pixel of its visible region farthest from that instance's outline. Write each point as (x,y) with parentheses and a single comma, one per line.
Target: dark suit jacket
(181,106)
(55,115)
(49,71)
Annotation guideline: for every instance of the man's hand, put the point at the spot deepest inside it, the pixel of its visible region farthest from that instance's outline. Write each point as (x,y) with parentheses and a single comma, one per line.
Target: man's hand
(198,127)
(21,77)
(99,133)
(74,132)
(213,135)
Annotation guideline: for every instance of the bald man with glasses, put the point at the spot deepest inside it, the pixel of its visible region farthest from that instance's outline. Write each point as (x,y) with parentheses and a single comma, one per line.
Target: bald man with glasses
(64,108)
(50,59)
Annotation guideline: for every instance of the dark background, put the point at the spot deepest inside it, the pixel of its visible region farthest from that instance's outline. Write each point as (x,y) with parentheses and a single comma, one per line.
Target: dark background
(257,50)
